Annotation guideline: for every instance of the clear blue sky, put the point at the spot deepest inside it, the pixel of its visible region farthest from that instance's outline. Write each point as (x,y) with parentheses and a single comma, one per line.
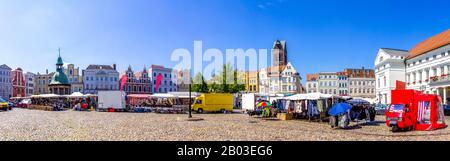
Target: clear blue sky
(321,35)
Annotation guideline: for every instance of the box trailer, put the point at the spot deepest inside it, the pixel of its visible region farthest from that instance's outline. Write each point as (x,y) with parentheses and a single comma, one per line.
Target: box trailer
(213,103)
(111,100)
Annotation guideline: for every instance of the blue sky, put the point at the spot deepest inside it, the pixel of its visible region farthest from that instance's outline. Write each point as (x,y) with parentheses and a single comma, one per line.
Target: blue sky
(321,35)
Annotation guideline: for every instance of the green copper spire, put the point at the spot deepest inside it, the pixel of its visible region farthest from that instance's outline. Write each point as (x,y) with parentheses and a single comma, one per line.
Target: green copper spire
(60,61)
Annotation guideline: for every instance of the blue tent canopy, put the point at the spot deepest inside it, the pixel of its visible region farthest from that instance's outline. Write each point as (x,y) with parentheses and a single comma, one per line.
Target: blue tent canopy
(339,108)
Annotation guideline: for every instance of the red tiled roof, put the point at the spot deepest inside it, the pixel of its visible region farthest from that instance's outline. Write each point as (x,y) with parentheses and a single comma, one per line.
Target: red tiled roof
(430,44)
(312,77)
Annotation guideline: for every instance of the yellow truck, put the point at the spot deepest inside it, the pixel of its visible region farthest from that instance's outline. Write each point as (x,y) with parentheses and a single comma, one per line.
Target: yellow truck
(213,103)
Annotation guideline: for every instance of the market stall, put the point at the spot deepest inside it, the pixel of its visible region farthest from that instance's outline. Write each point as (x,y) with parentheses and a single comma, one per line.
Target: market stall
(167,103)
(312,105)
(139,102)
(50,102)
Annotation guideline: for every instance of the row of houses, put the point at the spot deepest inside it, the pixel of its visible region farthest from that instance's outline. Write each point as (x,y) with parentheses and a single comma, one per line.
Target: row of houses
(68,78)
(349,82)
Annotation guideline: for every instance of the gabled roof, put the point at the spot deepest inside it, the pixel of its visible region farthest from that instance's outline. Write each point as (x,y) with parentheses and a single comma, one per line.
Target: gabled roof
(312,77)
(396,52)
(108,67)
(4,66)
(437,41)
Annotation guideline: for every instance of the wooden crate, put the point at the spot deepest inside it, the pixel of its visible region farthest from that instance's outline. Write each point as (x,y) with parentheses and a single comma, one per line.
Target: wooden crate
(285,116)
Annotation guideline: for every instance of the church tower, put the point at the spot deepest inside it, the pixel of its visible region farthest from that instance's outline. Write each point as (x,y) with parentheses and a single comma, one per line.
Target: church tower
(279,53)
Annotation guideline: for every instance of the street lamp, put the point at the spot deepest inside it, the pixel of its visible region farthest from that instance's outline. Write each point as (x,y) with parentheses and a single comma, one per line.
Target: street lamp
(190,102)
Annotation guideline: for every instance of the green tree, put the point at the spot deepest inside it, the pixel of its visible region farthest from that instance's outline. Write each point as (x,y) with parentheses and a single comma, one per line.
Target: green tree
(228,80)
(199,84)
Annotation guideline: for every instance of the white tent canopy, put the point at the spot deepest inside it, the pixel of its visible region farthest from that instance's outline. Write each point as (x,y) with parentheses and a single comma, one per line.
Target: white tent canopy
(310,96)
(163,95)
(45,96)
(184,94)
(76,95)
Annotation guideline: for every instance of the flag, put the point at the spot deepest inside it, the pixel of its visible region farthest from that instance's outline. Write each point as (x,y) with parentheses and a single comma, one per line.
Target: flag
(158,81)
(123,81)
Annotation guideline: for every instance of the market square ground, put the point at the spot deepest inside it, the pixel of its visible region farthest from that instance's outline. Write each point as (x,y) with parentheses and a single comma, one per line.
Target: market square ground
(23,124)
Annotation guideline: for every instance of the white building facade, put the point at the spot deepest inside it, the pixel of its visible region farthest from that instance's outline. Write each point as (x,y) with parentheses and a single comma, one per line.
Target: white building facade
(389,68)
(328,83)
(29,83)
(425,68)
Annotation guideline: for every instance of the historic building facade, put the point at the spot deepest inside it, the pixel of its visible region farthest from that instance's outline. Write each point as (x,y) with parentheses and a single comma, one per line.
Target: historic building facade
(100,77)
(29,83)
(41,82)
(74,77)
(350,82)
(425,68)
(18,83)
(168,79)
(361,82)
(343,82)
(389,68)
(312,85)
(252,82)
(136,82)
(5,82)
(328,83)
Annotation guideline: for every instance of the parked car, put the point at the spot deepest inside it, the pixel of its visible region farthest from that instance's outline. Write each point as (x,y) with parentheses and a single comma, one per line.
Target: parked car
(381,109)
(4,104)
(447,110)
(26,103)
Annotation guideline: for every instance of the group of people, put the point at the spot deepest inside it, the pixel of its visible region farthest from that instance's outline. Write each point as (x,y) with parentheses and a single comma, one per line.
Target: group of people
(83,104)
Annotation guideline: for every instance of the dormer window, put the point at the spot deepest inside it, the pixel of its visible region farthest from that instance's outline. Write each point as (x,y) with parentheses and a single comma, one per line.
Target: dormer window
(381,58)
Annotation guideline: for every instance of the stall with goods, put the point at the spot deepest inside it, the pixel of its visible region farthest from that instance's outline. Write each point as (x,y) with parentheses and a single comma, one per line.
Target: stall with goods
(80,102)
(311,106)
(362,110)
(50,102)
(169,103)
(139,103)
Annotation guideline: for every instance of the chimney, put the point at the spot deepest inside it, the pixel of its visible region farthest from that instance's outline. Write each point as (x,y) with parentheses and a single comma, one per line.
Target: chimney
(46,71)
(114,66)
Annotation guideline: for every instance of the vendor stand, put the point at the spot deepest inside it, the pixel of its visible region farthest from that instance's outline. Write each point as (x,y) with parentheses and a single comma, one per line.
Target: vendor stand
(49,102)
(311,106)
